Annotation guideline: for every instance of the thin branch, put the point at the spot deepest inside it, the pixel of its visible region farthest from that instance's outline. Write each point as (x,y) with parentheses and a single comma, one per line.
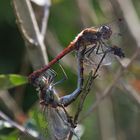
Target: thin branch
(92,77)
(108,90)
(45,18)
(16,125)
(28,26)
(85,92)
(103,95)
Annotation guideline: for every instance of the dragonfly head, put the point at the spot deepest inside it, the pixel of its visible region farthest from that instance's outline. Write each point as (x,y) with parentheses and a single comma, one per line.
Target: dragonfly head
(105,31)
(32,78)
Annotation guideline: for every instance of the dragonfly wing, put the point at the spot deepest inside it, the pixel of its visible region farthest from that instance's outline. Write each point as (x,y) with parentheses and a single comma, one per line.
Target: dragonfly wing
(57,123)
(93,58)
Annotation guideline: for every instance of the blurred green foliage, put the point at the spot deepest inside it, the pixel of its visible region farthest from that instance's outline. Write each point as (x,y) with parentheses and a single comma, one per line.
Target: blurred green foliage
(11,80)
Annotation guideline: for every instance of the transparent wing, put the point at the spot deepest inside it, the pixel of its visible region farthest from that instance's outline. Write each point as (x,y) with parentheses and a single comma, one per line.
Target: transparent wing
(92,57)
(57,123)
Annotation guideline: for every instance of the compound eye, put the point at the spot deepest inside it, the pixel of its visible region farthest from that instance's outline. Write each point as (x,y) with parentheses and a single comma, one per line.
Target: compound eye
(108,32)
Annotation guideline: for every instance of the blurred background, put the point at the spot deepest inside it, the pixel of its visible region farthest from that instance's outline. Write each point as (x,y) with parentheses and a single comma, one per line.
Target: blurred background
(117,116)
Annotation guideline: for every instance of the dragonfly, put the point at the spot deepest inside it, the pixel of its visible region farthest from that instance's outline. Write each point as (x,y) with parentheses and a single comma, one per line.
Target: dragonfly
(90,45)
(60,124)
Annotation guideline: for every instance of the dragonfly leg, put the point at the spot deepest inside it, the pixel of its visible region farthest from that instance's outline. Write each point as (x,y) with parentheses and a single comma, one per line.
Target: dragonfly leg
(102,51)
(98,49)
(66,100)
(90,50)
(98,66)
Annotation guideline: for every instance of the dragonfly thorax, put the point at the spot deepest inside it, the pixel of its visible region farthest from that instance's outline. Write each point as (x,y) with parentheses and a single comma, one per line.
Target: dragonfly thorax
(105,32)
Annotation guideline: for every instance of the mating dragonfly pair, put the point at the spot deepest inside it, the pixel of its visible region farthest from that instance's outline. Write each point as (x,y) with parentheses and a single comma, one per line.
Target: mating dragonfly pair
(92,49)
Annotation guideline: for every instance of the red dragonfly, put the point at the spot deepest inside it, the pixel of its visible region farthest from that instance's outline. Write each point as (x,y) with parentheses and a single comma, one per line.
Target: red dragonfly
(89,44)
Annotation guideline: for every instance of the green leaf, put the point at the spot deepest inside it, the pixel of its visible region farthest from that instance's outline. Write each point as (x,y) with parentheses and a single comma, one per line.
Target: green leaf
(11,80)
